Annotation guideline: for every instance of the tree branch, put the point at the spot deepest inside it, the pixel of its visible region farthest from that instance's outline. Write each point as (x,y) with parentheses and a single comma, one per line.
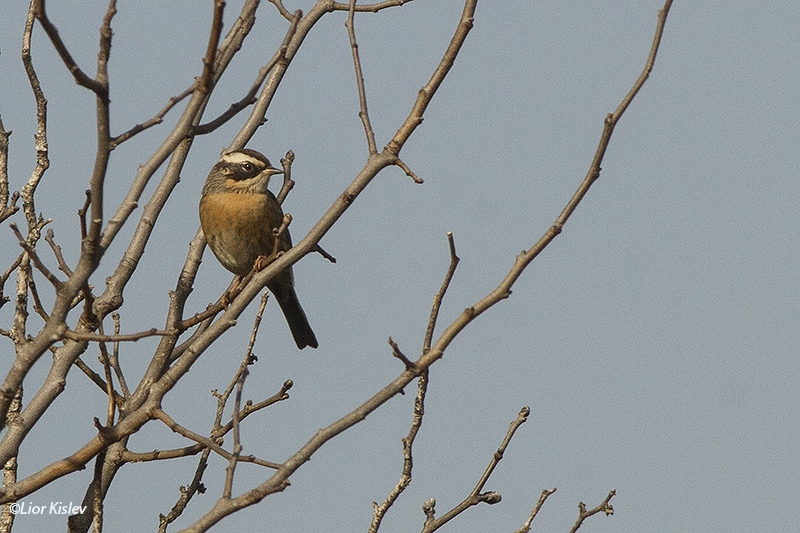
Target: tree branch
(583,513)
(362,93)
(526,527)
(476,496)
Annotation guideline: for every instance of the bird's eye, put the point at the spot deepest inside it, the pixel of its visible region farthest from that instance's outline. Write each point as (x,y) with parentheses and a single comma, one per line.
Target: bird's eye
(247,167)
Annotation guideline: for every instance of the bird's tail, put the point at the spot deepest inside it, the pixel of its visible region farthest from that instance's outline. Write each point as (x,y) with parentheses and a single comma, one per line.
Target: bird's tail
(295,316)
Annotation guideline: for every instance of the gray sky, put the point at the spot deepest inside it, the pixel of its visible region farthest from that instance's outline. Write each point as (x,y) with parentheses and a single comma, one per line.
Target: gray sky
(655,340)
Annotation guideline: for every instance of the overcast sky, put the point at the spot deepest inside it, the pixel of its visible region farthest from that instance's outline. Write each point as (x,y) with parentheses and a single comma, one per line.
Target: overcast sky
(655,341)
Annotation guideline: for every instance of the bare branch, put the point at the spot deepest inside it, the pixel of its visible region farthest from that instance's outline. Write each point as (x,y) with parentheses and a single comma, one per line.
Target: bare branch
(437,300)
(283,11)
(526,257)
(408,461)
(397,353)
(114,358)
(211,311)
(250,98)
(583,514)
(362,93)
(37,302)
(399,162)
(161,455)
(6,209)
(297,31)
(157,119)
(288,183)
(476,496)
(62,264)
(526,527)
(371,8)
(4,277)
(10,468)
(324,254)
(205,81)
(35,257)
(42,160)
(189,434)
(38,7)
(237,442)
(129,337)
(105,359)
(187,493)
(98,380)
(429,90)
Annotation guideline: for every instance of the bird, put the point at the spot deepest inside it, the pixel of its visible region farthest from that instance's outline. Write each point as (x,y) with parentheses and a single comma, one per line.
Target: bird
(238,215)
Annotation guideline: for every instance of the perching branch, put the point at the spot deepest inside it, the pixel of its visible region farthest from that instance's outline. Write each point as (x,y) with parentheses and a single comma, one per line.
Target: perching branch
(178,348)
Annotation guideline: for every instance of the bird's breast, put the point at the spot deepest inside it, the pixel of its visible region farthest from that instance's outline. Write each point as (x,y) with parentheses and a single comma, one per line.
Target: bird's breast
(238,227)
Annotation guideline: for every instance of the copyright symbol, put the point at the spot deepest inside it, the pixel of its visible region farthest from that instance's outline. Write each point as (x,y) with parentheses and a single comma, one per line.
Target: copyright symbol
(14,508)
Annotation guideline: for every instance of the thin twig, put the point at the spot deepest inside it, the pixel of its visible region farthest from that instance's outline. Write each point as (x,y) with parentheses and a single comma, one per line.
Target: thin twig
(6,209)
(476,496)
(250,98)
(4,277)
(157,119)
(97,379)
(282,10)
(82,214)
(161,455)
(187,493)
(204,82)
(410,365)
(81,78)
(128,337)
(363,113)
(324,254)
(105,359)
(437,300)
(249,408)
(237,439)
(379,511)
(526,527)
(62,264)
(114,358)
(288,183)
(427,92)
(370,8)
(57,283)
(37,302)
(583,513)
(210,311)
(399,162)
(159,414)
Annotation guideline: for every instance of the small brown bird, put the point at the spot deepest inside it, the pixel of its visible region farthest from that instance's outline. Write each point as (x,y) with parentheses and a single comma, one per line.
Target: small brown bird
(238,214)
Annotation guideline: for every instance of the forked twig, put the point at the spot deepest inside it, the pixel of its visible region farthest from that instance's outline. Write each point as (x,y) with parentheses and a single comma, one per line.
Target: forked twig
(583,513)
(476,496)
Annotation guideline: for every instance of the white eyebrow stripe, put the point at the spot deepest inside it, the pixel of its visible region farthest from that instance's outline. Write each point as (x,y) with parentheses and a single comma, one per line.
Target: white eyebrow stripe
(238,157)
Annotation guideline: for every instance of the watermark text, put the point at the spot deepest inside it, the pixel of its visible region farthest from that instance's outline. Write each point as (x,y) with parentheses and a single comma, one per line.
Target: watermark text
(53,508)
